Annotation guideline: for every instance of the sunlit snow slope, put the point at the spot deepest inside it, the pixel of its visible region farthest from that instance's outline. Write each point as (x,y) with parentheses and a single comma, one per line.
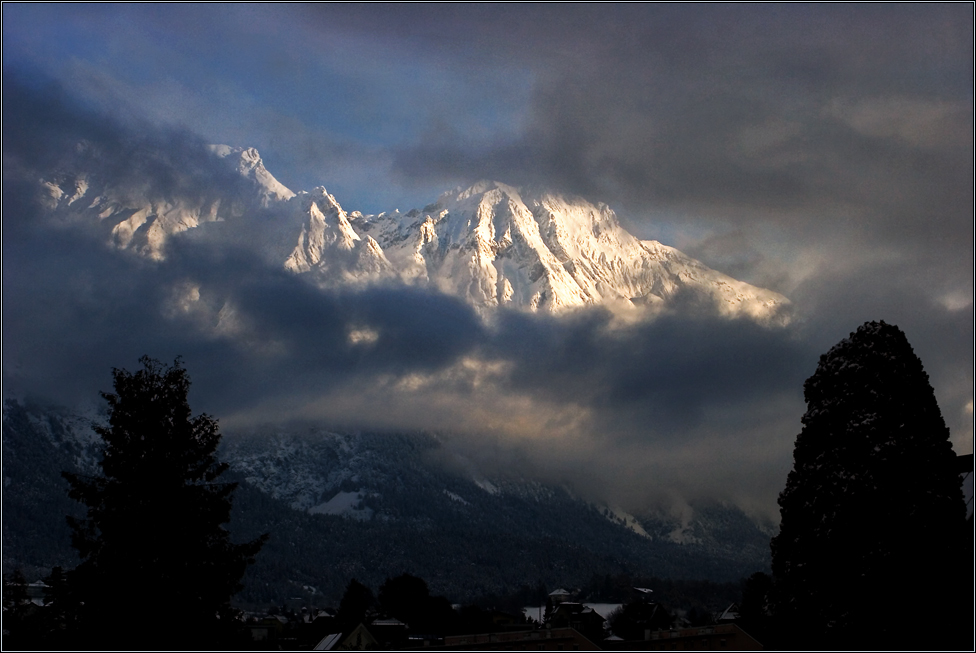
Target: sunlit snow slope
(490,244)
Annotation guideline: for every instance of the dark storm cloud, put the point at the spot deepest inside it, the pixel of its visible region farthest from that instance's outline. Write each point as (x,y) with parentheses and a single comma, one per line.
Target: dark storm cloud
(73,307)
(819,119)
(826,151)
(48,131)
(73,302)
(848,128)
(665,372)
(936,316)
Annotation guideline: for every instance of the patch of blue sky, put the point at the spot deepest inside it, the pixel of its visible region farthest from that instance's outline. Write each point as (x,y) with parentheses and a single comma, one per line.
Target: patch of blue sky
(248,73)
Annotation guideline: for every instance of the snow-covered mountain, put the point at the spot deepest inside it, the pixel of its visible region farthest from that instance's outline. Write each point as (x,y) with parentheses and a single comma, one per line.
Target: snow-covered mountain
(142,209)
(490,244)
(496,245)
(250,166)
(370,505)
(365,476)
(328,248)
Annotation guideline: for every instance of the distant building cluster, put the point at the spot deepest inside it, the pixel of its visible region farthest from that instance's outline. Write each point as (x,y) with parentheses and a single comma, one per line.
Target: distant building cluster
(566,625)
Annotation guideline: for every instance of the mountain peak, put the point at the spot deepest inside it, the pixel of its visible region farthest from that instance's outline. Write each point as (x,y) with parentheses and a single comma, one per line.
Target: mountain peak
(494,244)
(491,243)
(249,165)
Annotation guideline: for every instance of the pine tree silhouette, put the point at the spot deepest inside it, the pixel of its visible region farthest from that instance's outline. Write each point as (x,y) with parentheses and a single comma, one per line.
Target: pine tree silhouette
(158,569)
(872,513)
(352,608)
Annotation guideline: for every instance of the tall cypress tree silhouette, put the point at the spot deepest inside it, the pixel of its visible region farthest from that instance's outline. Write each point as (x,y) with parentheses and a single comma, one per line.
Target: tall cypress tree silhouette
(872,514)
(153,548)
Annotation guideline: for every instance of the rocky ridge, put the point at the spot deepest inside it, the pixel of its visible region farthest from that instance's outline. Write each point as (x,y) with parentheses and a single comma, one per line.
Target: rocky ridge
(491,244)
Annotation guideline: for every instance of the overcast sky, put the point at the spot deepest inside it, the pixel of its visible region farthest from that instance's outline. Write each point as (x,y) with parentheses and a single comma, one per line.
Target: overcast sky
(825,152)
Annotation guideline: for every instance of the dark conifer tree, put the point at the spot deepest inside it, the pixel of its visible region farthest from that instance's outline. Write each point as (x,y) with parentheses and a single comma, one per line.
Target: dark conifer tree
(408,598)
(405,597)
(357,600)
(755,609)
(158,569)
(872,513)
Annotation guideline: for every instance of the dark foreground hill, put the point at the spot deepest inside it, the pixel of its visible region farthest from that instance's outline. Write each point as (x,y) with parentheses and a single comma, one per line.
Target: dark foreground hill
(373,506)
